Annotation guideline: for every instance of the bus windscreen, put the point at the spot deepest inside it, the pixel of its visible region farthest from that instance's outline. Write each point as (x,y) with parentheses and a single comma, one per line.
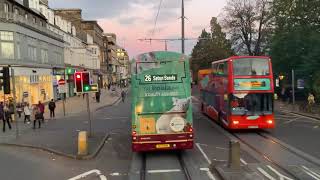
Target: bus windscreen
(251,104)
(251,67)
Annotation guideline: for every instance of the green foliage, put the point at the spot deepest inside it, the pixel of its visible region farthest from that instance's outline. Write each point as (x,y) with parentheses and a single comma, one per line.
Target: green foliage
(296,40)
(211,46)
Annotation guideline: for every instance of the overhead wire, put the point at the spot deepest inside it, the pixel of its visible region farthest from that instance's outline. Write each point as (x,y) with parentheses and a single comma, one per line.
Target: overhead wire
(155,22)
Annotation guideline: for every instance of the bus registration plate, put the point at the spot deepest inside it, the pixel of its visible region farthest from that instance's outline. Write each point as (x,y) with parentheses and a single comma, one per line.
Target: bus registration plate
(253,127)
(160,146)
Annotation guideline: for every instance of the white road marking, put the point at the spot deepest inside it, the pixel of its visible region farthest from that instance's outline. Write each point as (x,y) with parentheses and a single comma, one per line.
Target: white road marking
(209,174)
(222,148)
(243,161)
(163,171)
(265,174)
(298,115)
(202,152)
(314,174)
(83,175)
(281,176)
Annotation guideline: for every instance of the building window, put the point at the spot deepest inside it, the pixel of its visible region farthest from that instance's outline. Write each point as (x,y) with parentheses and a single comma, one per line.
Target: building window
(6,7)
(6,45)
(6,36)
(34,20)
(7,50)
(16,11)
(32,53)
(41,23)
(26,16)
(44,56)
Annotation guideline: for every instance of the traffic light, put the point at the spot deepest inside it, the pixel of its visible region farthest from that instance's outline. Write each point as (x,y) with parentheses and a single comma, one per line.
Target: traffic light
(86,81)
(5,80)
(78,81)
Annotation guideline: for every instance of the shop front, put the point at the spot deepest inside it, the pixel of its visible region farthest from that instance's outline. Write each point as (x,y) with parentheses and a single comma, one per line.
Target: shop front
(32,85)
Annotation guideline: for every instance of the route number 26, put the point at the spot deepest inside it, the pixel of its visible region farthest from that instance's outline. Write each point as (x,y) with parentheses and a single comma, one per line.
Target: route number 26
(147,78)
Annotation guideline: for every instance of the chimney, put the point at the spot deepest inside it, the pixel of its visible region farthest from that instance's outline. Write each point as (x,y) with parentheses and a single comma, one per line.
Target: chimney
(26,3)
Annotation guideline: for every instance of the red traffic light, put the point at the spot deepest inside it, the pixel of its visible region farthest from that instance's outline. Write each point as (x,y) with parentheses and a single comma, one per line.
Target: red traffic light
(78,76)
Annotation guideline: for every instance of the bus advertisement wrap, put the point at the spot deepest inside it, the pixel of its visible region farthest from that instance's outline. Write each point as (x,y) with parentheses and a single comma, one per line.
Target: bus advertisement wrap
(161,92)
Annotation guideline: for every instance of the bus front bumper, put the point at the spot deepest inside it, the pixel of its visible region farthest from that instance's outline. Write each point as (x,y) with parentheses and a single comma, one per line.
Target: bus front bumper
(162,142)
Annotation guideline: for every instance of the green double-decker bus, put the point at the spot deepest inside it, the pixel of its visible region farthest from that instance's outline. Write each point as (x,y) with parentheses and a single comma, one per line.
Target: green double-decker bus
(161,102)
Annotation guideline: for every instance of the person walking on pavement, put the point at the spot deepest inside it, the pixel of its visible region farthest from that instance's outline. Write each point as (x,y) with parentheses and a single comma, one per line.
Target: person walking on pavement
(98,96)
(123,95)
(37,116)
(4,115)
(52,107)
(41,108)
(19,109)
(11,110)
(27,113)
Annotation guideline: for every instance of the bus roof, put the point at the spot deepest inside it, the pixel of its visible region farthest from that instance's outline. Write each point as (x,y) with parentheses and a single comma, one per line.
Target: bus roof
(240,57)
(161,56)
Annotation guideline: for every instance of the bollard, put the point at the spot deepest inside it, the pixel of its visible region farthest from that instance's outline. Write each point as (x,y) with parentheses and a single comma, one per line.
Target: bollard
(82,143)
(234,155)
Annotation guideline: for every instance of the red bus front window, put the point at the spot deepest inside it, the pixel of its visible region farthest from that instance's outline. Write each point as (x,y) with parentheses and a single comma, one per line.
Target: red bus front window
(251,104)
(251,67)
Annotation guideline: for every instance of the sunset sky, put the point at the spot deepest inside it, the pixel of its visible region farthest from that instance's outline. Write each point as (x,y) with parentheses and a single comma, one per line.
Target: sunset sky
(134,19)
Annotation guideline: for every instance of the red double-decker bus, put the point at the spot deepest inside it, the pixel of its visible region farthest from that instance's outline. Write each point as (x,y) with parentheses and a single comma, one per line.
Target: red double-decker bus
(239,92)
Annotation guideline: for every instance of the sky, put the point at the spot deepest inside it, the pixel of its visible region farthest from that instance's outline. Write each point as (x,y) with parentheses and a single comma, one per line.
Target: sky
(131,20)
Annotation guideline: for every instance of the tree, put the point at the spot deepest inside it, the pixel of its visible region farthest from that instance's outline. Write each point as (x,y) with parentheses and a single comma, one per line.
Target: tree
(296,40)
(249,24)
(211,46)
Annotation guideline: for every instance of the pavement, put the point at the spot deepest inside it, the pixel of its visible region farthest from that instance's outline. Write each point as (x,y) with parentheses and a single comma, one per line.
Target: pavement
(288,107)
(60,135)
(112,161)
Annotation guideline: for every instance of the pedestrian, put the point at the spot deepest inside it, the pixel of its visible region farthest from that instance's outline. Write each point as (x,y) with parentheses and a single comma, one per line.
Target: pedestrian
(105,85)
(98,96)
(311,102)
(27,113)
(37,116)
(5,114)
(41,108)
(109,85)
(19,109)
(11,111)
(123,95)
(52,107)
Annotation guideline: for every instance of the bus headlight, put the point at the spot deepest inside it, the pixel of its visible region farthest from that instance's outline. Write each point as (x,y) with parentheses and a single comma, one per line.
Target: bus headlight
(177,124)
(269,121)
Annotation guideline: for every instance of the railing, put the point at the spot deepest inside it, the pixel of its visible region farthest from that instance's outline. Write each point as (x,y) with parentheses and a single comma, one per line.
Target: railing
(21,20)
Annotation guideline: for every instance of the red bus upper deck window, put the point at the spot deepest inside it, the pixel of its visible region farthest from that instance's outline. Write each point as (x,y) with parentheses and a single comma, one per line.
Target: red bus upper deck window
(251,67)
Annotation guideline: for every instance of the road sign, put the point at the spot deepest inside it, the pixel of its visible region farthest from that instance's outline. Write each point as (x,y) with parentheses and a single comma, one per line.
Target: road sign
(61,82)
(300,84)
